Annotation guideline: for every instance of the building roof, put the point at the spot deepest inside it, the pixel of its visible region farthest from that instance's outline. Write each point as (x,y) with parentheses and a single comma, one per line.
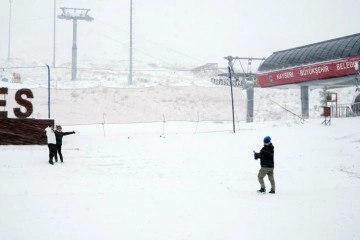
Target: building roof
(317,52)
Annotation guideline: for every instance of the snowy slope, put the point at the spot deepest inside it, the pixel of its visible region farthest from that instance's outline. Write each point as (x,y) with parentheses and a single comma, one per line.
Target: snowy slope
(199,182)
(157,93)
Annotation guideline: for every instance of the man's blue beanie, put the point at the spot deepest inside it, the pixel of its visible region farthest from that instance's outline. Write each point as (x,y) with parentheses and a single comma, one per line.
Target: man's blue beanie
(267,139)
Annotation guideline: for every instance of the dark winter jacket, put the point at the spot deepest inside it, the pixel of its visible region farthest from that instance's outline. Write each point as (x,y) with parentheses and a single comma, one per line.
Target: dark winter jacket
(266,156)
(59,135)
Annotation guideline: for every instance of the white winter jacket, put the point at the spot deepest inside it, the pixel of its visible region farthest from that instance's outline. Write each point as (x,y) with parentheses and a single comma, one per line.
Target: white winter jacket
(50,136)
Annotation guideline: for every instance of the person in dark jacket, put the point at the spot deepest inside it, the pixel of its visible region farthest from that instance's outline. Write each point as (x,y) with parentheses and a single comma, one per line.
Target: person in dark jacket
(266,156)
(59,135)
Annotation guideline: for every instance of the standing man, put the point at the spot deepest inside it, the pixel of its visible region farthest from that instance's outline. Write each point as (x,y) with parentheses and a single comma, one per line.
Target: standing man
(51,141)
(59,135)
(266,156)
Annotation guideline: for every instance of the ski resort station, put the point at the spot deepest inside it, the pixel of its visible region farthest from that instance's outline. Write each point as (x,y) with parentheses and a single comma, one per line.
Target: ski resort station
(328,64)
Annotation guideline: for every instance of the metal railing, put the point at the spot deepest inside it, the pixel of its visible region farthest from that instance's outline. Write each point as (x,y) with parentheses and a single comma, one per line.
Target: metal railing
(345,110)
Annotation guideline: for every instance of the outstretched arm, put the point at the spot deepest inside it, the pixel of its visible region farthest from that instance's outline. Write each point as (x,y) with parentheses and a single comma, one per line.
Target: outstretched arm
(68,133)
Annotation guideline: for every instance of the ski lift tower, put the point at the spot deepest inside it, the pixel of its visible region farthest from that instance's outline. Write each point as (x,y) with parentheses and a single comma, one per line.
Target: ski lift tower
(75,14)
(248,82)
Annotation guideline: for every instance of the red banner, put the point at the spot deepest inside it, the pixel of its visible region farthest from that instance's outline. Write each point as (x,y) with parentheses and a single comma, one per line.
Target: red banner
(335,68)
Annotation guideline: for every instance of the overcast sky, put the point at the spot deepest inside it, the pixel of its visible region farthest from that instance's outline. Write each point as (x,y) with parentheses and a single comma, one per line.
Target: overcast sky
(174,31)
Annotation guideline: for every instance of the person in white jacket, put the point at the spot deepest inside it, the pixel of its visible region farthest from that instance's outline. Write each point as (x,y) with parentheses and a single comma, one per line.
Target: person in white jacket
(51,141)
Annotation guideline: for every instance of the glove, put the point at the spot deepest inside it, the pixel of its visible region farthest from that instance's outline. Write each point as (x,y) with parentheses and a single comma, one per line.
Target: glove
(256,155)
(73,132)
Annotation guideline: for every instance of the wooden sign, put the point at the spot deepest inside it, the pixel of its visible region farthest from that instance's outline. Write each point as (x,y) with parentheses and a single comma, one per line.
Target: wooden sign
(22,130)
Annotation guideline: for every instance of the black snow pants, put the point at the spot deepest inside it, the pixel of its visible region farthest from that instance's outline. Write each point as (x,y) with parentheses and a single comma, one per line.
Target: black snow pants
(52,151)
(58,151)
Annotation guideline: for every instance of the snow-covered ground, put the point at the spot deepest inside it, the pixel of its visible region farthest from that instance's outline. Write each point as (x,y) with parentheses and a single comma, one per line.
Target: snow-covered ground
(199,181)
(158,160)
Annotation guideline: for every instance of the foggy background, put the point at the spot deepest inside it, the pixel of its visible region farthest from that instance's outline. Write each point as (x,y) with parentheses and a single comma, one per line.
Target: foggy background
(172,32)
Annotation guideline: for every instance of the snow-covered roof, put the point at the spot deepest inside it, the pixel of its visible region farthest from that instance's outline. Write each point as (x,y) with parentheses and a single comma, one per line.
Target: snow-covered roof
(317,52)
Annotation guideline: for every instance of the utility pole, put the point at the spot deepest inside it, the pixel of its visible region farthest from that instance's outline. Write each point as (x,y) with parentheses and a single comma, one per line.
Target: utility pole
(54,44)
(75,14)
(10,1)
(130,60)
(230,72)
(232,99)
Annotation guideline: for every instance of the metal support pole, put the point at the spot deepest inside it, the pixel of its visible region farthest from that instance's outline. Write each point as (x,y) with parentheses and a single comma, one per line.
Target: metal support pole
(250,104)
(74,51)
(130,59)
(10,1)
(304,93)
(48,68)
(232,99)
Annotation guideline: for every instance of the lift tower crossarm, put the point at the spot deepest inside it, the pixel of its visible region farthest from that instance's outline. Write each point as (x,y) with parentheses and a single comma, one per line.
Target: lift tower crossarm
(248,58)
(75,14)
(244,83)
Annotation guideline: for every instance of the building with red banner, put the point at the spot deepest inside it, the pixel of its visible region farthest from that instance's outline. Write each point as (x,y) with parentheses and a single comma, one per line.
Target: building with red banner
(332,63)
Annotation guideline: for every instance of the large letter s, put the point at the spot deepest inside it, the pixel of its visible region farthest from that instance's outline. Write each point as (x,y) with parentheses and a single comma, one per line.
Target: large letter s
(23,102)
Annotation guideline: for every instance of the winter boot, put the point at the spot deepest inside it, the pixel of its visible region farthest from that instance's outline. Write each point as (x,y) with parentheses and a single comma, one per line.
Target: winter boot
(51,162)
(272,191)
(262,190)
